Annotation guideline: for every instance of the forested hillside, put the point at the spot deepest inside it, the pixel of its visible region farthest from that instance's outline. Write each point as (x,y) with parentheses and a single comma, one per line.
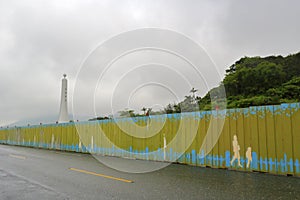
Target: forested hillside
(248,82)
(260,81)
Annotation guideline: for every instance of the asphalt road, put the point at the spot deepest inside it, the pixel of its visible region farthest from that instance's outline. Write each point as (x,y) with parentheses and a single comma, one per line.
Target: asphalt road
(27,173)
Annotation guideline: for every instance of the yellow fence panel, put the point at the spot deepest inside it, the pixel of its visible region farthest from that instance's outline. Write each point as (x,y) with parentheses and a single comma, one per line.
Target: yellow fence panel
(287,138)
(295,117)
(241,139)
(271,139)
(264,138)
(279,140)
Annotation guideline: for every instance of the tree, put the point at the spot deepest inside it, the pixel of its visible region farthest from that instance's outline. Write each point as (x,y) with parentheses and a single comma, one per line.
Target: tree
(259,81)
(144,110)
(177,108)
(127,113)
(193,91)
(248,82)
(149,110)
(169,109)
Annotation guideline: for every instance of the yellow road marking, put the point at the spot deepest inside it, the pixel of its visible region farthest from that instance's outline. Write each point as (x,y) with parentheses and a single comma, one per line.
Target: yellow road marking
(101,175)
(16,156)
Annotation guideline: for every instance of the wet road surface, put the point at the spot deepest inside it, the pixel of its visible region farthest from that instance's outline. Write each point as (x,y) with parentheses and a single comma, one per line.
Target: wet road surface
(27,173)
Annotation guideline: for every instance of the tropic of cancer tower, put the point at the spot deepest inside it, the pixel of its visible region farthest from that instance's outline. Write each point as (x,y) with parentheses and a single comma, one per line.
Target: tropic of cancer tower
(63,113)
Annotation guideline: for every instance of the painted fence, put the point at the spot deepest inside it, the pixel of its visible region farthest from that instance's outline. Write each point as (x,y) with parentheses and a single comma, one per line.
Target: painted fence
(264,138)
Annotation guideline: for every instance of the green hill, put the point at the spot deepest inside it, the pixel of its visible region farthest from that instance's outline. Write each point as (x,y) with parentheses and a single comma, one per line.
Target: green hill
(259,81)
(248,82)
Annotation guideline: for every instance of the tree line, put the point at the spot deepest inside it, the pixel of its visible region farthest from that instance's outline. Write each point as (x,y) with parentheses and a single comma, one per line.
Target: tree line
(250,81)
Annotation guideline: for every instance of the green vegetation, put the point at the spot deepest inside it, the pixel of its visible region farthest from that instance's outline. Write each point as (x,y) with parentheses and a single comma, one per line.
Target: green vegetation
(248,82)
(263,81)
(256,81)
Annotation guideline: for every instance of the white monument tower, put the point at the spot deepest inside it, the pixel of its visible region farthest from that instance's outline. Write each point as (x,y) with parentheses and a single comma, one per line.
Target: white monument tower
(63,113)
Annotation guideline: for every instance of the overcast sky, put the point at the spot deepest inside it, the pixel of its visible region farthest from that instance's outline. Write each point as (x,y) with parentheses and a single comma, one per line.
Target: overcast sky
(40,40)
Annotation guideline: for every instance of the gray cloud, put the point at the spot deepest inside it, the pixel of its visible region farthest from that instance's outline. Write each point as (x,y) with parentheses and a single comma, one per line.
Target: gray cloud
(41,40)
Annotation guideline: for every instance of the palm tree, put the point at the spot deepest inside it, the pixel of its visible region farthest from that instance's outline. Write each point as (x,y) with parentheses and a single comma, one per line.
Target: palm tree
(144,109)
(131,113)
(177,108)
(193,90)
(148,111)
(126,113)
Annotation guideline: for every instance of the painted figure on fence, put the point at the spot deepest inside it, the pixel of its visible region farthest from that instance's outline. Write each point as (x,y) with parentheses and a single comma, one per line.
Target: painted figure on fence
(148,117)
(165,147)
(236,151)
(249,156)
